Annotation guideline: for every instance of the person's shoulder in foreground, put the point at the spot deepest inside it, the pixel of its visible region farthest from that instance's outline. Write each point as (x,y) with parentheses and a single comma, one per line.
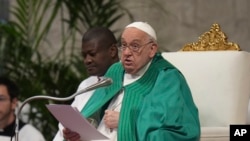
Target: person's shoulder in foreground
(30,133)
(9,92)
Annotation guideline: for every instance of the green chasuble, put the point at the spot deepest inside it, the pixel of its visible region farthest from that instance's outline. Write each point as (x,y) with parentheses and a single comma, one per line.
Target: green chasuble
(156,107)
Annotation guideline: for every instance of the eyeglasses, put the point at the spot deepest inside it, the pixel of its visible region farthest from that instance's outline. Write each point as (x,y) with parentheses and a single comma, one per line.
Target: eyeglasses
(135,47)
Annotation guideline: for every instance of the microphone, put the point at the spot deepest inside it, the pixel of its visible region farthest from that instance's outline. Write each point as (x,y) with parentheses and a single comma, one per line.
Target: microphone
(104,82)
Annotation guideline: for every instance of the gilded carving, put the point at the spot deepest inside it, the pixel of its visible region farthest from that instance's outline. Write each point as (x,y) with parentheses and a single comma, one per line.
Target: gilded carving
(214,40)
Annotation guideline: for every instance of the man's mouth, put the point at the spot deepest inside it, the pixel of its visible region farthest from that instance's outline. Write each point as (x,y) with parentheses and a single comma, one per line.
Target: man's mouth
(90,67)
(127,61)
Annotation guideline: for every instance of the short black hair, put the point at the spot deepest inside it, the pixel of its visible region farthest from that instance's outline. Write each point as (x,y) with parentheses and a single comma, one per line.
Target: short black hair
(12,87)
(103,34)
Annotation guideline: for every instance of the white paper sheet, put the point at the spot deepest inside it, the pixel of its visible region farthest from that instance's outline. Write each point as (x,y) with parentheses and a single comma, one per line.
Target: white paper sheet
(72,119)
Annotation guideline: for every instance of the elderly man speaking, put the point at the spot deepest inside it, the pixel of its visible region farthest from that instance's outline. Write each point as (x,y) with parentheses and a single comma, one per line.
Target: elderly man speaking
(149,99)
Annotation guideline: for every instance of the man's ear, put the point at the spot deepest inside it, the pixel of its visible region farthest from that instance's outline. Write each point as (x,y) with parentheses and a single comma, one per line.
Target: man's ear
(113,50)
(14,103)
(153,50)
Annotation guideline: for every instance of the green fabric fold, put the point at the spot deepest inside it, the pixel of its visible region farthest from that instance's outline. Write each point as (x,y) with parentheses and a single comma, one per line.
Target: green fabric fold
(139,99)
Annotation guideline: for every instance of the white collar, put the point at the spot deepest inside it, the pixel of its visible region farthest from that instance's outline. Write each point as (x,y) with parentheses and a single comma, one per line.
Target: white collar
(130,78)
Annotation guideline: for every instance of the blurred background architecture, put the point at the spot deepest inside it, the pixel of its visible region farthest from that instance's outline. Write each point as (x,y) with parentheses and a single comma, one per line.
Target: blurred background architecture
(41,50)
(178,22)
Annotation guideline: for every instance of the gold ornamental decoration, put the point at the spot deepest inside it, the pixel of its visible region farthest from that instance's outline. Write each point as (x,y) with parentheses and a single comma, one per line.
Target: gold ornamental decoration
(213,40)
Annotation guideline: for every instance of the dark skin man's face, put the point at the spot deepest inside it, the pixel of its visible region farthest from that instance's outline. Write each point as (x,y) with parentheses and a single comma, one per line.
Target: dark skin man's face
(97,59)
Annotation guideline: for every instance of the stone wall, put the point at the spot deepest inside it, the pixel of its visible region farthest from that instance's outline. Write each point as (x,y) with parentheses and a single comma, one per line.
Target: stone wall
(178,22)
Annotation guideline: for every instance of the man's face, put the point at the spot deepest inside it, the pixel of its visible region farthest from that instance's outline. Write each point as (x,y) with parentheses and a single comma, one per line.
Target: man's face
(97,59)
(133,61)
(7,106)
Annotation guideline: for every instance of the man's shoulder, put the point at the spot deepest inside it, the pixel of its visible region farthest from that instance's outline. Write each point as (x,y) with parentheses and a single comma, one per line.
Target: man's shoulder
(163,64)
(28,130)
(115,69)
(116,66)
(4,138)
(88,81)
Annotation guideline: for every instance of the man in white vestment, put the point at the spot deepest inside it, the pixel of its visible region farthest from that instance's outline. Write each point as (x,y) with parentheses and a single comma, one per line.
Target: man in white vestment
(99,52)
(8,102)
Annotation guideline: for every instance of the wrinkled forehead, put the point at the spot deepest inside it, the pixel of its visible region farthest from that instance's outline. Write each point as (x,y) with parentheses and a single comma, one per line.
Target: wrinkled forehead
(3,90)
(133,34)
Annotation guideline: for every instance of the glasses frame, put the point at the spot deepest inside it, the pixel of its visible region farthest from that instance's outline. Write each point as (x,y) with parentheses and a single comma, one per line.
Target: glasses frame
(133,49)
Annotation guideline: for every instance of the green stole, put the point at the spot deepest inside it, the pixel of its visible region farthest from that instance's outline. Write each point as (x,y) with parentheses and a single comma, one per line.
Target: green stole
(133,96)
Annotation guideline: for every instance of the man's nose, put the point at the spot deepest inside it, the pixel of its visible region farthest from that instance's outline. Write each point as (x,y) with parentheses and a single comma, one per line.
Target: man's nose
(87,60)
(127,51)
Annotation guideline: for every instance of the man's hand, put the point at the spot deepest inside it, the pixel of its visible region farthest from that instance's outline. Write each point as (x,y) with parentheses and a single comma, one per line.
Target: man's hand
(111,119)
(70,135)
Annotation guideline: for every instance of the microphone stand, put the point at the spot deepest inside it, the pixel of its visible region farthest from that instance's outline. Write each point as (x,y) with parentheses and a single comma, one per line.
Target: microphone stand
(102,83)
